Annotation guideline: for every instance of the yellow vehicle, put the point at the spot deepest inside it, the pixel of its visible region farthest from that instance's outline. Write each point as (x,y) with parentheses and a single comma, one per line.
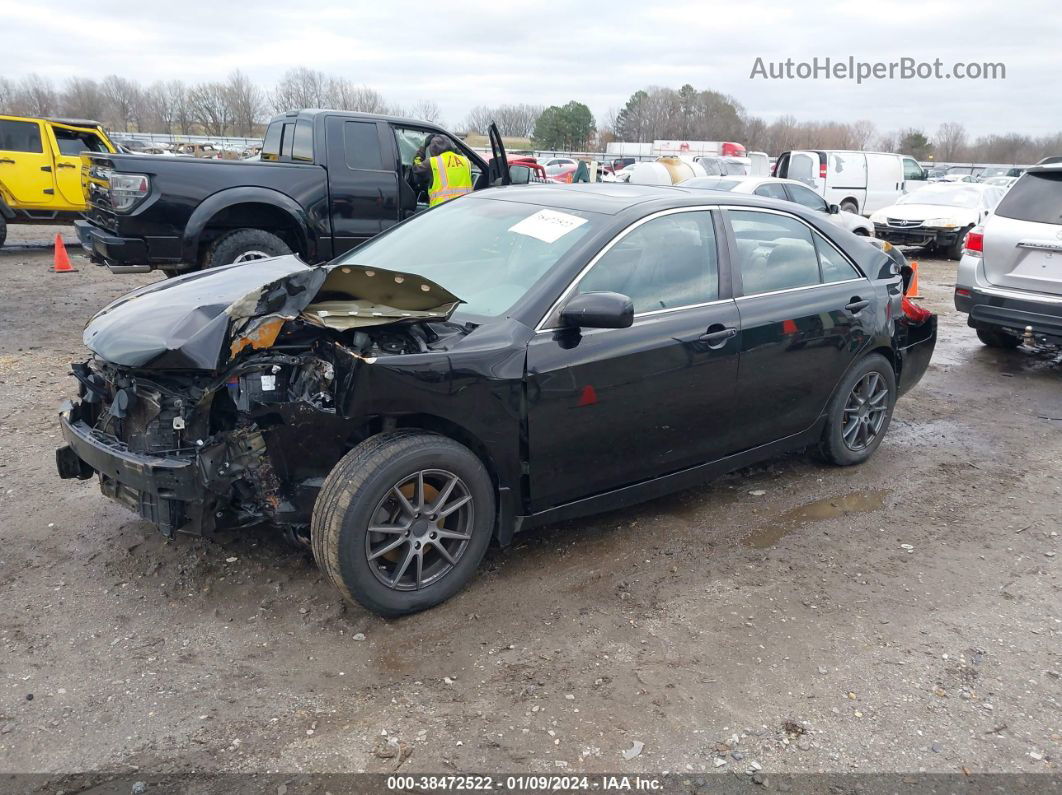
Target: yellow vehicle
(40,168)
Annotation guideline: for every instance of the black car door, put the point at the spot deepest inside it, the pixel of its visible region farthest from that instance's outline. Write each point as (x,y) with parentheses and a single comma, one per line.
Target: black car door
(362,181)
(805,314)
(608,407)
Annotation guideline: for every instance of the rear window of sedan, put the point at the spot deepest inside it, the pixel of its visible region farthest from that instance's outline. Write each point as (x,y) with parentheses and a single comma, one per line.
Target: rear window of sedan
(1035,197)
(710,183)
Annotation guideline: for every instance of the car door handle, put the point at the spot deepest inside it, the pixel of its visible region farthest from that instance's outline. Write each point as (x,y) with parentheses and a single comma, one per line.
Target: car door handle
(856,305)
(6,160)
(717,335)
(65,165)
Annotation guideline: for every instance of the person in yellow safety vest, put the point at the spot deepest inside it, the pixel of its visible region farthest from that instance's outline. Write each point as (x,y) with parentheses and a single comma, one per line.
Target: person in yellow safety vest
(444,172)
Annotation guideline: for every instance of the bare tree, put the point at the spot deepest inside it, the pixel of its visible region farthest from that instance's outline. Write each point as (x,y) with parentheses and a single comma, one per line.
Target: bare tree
(84,99)
(479,119)
(517,121)
(342,94)
(36,96)
(425,110)
(7,95)
(180,107)
(209,105)
(887,142)
(862,132)
(158,108)
(949,141)
(246,103)
(123,101)
(300,88)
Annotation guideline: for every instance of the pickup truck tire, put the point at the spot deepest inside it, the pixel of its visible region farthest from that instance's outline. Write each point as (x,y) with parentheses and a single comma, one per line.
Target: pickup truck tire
(859,412)
(433,502)
(244,245)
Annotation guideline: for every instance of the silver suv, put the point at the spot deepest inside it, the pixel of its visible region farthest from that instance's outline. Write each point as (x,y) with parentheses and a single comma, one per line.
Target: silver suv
(1010,275)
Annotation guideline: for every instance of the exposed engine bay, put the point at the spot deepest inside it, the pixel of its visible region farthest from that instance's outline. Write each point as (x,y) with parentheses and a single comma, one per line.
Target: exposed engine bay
(261,429)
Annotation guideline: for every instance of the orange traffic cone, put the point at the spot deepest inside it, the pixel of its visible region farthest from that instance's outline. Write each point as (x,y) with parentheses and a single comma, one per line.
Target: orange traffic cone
(912,291)
(62,261)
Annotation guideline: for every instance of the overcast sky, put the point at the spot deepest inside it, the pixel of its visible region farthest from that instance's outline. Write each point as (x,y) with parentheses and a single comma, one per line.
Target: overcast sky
(463,54)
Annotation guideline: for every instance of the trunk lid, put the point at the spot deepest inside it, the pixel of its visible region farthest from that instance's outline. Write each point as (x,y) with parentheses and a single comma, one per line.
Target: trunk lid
(1023,238)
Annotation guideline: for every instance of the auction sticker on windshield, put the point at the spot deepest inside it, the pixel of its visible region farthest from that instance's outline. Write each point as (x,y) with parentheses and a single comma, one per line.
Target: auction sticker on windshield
(549,226)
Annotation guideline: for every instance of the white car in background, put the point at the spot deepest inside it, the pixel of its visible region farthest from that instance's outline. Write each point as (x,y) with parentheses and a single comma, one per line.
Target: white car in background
(937,216)
(786,190)
(1000,182)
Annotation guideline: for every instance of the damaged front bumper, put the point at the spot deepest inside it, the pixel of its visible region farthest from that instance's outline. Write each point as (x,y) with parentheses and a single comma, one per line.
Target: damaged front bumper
(167,490)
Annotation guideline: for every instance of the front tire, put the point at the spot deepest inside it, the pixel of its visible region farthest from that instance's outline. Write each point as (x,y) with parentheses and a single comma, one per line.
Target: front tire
(850,205)
(244,245)
(403,520)
(859,412)
(998,338)
(954,251)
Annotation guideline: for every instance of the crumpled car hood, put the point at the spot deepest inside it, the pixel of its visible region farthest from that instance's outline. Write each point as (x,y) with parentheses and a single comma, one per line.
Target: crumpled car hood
(191,322)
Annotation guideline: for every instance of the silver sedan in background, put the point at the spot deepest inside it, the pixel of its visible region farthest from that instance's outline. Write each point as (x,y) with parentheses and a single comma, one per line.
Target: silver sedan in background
(786,190)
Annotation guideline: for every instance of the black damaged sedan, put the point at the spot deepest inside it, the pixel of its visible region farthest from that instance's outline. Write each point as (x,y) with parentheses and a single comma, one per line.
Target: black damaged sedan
(515,357)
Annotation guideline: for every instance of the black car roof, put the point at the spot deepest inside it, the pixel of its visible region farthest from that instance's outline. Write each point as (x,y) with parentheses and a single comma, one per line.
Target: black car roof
(310,113)
(613,198)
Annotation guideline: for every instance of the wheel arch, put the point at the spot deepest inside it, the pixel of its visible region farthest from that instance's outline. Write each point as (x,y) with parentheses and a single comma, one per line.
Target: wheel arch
(247,208)
(503,491)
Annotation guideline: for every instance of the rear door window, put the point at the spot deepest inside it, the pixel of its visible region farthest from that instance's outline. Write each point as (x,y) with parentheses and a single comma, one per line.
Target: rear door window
(20,136)
(772,190)
(835,266)
(774,252)
(361,146)
(1034,197)
(73,143)
(302,145)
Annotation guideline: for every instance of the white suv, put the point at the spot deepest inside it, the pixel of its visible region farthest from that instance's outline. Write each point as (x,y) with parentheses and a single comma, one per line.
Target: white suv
(1010,276)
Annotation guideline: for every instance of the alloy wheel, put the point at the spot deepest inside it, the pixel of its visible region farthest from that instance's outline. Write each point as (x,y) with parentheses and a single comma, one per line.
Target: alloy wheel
(419,530)
(247,256)
(865,411)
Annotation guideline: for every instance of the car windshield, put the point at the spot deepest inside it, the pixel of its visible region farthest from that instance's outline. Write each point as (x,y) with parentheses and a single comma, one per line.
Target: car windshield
(711,183)
(950,195)
(486,252)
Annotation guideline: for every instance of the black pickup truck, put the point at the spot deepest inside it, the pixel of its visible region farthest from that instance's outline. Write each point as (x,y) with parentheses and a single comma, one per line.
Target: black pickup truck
(327,181)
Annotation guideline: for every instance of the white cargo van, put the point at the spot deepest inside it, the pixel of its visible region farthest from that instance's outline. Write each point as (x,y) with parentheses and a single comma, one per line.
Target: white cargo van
(859,182)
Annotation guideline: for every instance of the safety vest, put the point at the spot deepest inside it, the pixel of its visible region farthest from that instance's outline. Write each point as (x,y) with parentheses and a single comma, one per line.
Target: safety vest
(451,176)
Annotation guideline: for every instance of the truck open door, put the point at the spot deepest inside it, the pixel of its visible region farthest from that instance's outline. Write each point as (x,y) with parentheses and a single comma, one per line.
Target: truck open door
(499,164)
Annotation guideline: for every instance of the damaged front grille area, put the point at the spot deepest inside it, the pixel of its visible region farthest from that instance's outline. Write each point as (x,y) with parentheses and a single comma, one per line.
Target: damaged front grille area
(191,446)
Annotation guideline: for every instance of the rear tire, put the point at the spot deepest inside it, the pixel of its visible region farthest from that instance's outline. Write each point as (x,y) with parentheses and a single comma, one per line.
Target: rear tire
(859,412)
(244,245)
(850,205)
(998,338)
(379,568)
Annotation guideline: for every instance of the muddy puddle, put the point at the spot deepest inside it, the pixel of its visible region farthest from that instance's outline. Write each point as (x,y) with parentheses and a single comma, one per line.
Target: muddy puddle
(817,511)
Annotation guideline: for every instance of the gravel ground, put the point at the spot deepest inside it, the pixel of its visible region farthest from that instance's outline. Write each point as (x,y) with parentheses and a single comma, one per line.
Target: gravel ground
(904,615)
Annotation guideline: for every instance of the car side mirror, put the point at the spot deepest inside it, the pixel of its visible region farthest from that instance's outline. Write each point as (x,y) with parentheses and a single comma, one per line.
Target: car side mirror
(520,175)
(833,209)
(598,310)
